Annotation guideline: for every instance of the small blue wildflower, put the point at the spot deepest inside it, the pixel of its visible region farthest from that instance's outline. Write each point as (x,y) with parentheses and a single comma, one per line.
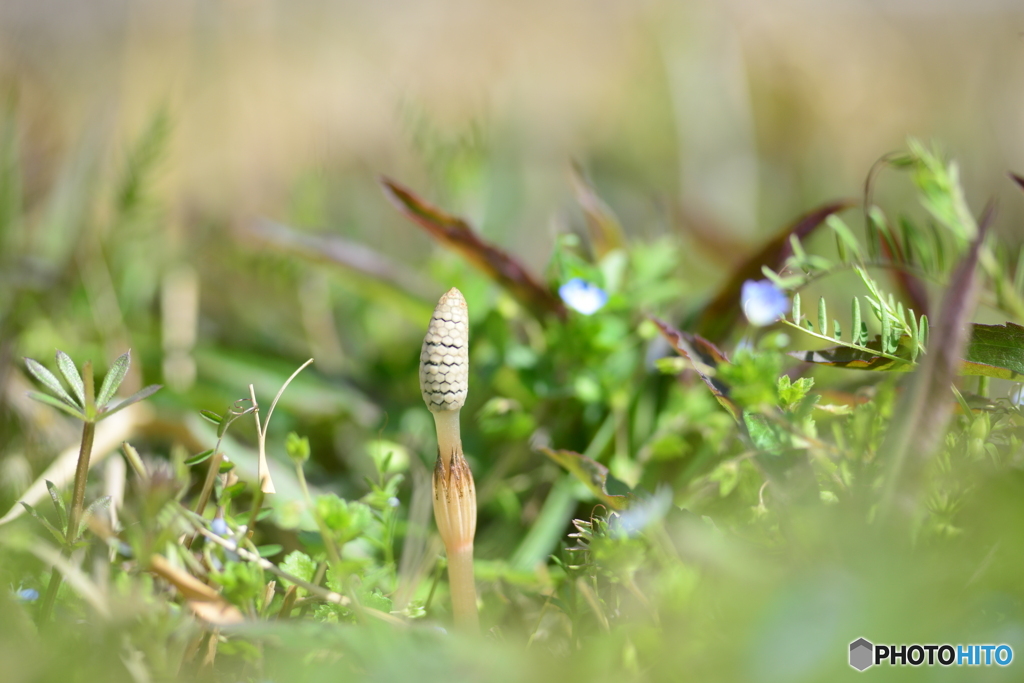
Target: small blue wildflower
(582,296)
(642,514)
(763,303)
(219,527)
(394,502)
(28,595)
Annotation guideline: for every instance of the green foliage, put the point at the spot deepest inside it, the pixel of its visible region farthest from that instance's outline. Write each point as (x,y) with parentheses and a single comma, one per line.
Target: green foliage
(85,406)
(715,511)
(297,448)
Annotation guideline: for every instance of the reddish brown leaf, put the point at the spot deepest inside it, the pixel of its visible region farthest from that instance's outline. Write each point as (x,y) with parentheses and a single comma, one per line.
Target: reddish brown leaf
(1017,179)
(919,423)
(705,357)
(456,234)
(720,314)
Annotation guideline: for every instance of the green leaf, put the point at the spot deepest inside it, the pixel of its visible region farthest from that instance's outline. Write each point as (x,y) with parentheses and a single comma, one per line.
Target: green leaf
(200,457)
(211,416)
(297,448)
(347,519)
(374,599)
(114,377)
(822,317)
(995,351)
(301,566)
(845,241)
(140,395)
(60,405)
(42,520)
(70,372)
(855,331)
(58,503)
(269,550)
(51,381)
(222,428)
(764,435)
(232,491)
(796,309)
(592,473)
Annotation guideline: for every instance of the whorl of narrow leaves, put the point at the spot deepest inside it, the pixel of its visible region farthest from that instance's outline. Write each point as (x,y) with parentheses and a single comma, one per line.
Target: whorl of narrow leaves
(444,356)
(82,406)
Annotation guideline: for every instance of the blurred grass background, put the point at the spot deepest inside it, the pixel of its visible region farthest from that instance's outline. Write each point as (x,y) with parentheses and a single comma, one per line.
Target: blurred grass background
(740,112)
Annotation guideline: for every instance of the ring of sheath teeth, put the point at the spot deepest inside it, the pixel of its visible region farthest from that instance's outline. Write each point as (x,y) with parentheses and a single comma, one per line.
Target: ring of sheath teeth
(444,357)
(454,502)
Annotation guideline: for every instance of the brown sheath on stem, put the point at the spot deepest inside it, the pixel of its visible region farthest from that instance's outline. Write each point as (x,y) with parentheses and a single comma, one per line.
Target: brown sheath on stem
(444,381)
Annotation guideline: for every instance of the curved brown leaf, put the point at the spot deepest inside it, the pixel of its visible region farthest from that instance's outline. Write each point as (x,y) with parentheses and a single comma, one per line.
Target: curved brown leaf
(720,314)
(1017,179)
(456,234)
(919,423)
(705,357)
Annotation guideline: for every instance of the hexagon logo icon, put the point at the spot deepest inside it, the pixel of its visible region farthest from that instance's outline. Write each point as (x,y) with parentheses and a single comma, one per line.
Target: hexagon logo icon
(861,654)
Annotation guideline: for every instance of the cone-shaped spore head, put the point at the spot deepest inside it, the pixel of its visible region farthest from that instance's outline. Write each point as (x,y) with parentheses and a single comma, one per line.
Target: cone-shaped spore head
(444,357)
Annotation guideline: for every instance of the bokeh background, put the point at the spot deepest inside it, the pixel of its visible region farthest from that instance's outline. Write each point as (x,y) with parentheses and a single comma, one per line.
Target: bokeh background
(739,112)
(155,140)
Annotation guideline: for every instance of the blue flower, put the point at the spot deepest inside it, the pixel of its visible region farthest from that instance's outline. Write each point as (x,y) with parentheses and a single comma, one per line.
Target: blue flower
(582,296)
(28,595)
(763,303)
(219,527)
(643,513)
